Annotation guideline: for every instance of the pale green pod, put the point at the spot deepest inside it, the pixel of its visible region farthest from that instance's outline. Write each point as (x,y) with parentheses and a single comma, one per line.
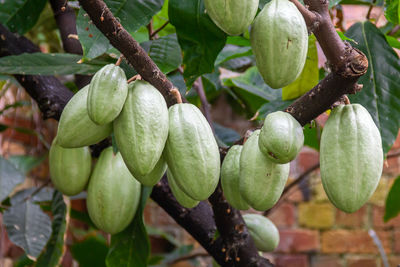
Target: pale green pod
(263,231)
(107,93)
(69,168)
(261,180)
(141,129)
(281,137)
(279,39)
(351,157)
(180,196)
(230,178)
(155,175)
(75,128)
(234,16)
(113,193)
(192,152)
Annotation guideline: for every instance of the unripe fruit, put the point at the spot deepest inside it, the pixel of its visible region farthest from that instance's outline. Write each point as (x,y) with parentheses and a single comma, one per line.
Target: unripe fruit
(279,40)
(351,157)
(141,129)
(233,16)
(75,128)
(155,175)
(263,231)
(230,178)
(69,168)
(107,93)
(191,152)
(180,196)
(261,180)
(281,137)
(113,194)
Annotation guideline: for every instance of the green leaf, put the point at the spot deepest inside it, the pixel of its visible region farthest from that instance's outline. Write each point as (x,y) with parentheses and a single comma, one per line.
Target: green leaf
(27,225)
(231,51)
(344,37)
(309,76)
(93,42)
(392,41)
(25,163)
(272,107)
(90,252)
(381,92)
(160,19)
(10,177)
(131,247)
(166,53)
(47,64)
(3,127)
(200,39)
(392,11)
(311,136)
(135,13)
(392,208)
(226,135)
(21,15)
(54,250)
(238,40)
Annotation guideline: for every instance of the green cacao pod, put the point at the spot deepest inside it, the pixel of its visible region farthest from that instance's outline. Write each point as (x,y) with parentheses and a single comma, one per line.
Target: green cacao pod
(230,178)
(107,93)
(180,196)
(113,194)
(155,175)
(262,181)
(75,128)
(69,168)
(191,151)
(351,157)
(263,231)
(281,137)
(279,40)
(141,129)
(233,16)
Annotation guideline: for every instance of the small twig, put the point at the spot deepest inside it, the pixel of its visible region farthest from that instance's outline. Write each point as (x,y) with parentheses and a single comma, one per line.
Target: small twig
(159,29)
(150,29)
(394,30)
(311,18)
(177,95)
(119,61)
(203,99)
(134,78)
(369,11)
(346,100)
(189,257)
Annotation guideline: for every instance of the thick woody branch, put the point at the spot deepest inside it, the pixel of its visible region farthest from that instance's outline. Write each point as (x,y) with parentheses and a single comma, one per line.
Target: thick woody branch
(123,41)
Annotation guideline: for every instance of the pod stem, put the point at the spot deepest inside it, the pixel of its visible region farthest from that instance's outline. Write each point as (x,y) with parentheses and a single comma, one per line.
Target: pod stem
(134,78)
(177,95)
(119,60)
(346,100)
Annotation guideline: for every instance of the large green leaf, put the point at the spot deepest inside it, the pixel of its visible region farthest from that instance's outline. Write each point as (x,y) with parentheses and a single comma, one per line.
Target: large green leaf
(200,39)
(392,11)
(309,76)
(54,250)
(20,15)
(226,135)
(160,19)
(381,91)
(91,252)
(392,208)
(25,163)
(231,52)
(47,64)
(27,225)
(131,247)
(134,14)
(166,53)
(93,42)
(10,177)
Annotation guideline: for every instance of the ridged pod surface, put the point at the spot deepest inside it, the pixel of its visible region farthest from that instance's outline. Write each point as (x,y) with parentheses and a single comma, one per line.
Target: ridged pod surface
(180,196)
(230,178)
(261,180)
(69,168)
(113,194)
(75,128)
(233,16)
(191,151)
(351,157)
(281,137)
(141,129)
(107,93)
(279,40)
(263,231)
(155,175)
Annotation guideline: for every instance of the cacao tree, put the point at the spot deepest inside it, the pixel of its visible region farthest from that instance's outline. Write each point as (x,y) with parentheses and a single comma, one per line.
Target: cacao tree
(127,78)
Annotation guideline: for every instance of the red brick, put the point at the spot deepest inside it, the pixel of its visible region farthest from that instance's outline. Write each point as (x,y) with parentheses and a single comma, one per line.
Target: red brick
(397,241)
(326,261)
(394,261)
(307,158)
(353,241)
(292,261)
(351,220)
(298,240)
(378,222)
(283,216)
(361,261)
